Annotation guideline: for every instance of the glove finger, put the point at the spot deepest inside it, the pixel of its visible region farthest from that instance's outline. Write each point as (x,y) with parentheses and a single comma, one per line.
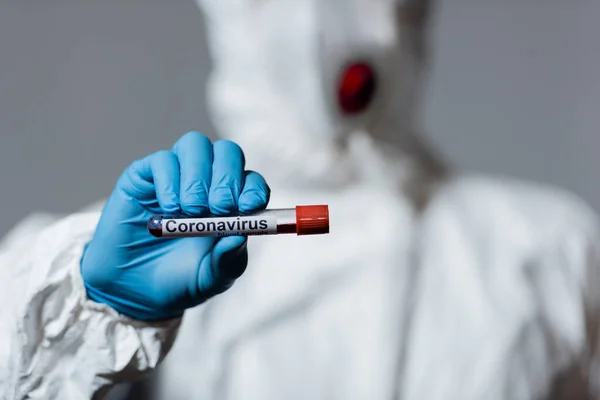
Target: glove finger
(256,193)
(227,262)
(227,177)
(154,178)
(195,154)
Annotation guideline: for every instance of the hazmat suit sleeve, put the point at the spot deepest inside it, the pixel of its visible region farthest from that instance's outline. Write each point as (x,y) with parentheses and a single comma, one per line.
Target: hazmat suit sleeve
(568,293)
(55,342)
(589,368)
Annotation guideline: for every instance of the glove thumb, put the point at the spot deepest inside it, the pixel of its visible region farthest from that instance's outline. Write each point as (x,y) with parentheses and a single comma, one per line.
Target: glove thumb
(226,263)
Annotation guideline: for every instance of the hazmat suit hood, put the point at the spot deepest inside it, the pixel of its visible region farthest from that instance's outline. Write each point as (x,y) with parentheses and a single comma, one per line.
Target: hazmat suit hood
(317,92)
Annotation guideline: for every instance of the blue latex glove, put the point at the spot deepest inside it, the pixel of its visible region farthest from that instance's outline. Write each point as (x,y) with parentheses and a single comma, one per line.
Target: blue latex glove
(147,278)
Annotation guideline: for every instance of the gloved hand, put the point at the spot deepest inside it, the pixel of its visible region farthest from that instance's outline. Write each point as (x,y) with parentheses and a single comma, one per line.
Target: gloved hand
(147,278)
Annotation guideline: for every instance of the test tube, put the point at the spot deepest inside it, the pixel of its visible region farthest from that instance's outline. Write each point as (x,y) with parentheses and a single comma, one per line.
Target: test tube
(301,220)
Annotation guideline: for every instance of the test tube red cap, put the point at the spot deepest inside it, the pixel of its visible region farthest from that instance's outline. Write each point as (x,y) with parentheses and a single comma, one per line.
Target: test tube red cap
(312,220)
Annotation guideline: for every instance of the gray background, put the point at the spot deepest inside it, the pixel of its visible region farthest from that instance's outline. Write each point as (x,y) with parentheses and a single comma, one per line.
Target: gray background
(87,86)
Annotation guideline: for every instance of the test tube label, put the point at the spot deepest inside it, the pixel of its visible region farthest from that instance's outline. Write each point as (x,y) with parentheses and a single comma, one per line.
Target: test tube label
(226,226)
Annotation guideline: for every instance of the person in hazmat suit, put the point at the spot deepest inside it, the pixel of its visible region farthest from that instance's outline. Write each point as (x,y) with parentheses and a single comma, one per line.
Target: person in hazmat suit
(433,284)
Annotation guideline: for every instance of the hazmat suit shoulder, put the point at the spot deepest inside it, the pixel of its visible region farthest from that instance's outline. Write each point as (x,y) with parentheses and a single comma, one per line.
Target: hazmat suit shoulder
(546,212)
(511,278)
(538,216)
(56,343)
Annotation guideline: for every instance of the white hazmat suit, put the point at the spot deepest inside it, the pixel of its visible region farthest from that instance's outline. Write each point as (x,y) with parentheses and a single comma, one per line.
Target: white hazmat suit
(432,284)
